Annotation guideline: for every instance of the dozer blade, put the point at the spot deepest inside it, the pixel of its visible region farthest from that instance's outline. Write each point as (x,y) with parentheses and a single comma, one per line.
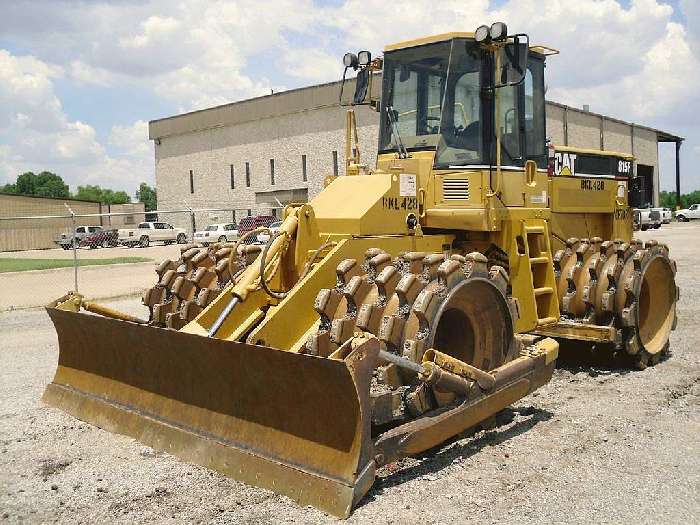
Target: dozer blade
(295,424)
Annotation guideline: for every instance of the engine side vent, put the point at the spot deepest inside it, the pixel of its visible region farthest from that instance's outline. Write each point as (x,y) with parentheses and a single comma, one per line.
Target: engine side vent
(455,189)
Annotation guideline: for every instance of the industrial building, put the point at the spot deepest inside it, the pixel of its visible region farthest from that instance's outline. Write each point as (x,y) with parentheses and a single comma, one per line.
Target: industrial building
(258,154)
(37,234)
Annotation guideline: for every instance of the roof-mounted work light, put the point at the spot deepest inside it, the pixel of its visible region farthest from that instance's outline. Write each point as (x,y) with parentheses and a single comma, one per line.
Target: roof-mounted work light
(498,31)
(364,58)
(481,35)
(350,60)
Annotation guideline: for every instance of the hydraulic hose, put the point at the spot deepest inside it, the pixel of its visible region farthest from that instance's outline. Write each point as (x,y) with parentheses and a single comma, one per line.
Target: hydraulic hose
(263,258)
(234,250)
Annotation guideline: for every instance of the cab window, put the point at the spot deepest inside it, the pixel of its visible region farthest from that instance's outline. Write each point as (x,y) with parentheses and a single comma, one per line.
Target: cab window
(509,122)
(534,114)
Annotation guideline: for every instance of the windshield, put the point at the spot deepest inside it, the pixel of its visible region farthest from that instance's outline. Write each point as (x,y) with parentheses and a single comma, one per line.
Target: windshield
(436,97)
(435,94)
(414,86)
(211,228)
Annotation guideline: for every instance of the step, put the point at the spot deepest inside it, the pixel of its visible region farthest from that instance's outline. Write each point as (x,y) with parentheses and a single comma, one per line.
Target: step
(545,290)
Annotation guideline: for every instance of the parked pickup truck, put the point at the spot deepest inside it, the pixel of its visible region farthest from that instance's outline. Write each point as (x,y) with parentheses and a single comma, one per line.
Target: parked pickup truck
(646,218)
(65,240)
(692,212)
(666,215)
(147,232)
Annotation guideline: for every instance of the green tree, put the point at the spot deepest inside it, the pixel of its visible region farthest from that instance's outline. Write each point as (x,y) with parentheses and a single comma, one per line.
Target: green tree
(690,198)
(45,184)
(91,192)
(26,183)
(148,196)
(667,199)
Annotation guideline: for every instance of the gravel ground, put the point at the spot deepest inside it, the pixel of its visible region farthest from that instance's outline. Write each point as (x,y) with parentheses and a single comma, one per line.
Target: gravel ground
(597,444)
(39,287)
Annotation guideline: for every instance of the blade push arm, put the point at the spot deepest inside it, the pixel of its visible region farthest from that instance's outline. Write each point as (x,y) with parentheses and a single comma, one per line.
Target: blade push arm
(252,277)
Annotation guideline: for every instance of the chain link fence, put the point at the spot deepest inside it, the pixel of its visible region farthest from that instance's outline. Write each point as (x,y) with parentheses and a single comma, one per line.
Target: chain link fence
(105,255)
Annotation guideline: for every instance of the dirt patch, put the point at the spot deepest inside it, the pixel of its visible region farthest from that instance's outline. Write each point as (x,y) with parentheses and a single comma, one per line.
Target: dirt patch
(49,467)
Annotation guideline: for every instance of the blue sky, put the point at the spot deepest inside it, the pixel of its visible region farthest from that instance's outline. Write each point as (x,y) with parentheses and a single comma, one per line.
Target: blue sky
(80,80)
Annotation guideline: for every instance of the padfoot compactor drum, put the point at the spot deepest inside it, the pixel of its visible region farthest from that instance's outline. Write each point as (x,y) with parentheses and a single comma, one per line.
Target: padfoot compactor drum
(399,307)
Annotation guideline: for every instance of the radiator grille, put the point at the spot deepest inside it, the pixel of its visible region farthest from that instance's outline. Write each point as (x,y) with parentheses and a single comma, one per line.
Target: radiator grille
(455,189)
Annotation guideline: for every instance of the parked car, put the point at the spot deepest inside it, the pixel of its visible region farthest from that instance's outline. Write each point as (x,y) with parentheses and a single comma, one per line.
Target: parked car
(65,240)
(247,224)
(224,232)
(101,239)
(666,215)
(647,218)
(274,228)
(147,232)
(692,212)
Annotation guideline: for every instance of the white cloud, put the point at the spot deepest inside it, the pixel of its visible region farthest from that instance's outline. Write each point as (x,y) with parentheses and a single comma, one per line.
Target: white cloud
(75,141)
(311,65)
(36,134)
(156,29)
(628,59)
(665,81)
(691,11)
(132,140)
(194,53)
(84,73)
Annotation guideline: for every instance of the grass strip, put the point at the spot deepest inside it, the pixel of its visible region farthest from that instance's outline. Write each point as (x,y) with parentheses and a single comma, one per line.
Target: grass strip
(23,265)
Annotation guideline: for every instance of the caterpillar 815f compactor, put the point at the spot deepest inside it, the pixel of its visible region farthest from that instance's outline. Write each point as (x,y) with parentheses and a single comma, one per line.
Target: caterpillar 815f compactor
(401,306)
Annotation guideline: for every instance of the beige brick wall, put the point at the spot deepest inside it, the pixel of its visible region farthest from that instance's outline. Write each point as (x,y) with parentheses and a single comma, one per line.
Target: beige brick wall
(555,125)
(617,136)
(584,130)
(37,234)
(134,209)
(646,151)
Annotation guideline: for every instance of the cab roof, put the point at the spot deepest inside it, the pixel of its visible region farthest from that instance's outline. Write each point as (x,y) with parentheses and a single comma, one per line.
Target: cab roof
(427,40)
(443,37)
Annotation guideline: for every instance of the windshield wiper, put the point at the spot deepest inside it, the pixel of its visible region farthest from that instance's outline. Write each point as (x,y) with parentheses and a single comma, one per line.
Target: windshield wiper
(393,120)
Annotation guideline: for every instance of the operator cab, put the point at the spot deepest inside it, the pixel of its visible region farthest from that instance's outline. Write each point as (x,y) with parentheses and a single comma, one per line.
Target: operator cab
(439,94)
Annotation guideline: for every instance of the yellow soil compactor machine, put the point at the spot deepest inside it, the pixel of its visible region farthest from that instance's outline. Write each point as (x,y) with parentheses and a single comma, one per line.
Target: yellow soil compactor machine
(401,306)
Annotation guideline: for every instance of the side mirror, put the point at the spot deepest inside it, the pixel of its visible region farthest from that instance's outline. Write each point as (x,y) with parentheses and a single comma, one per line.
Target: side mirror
(515,66)
(361,84)
(514,62)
